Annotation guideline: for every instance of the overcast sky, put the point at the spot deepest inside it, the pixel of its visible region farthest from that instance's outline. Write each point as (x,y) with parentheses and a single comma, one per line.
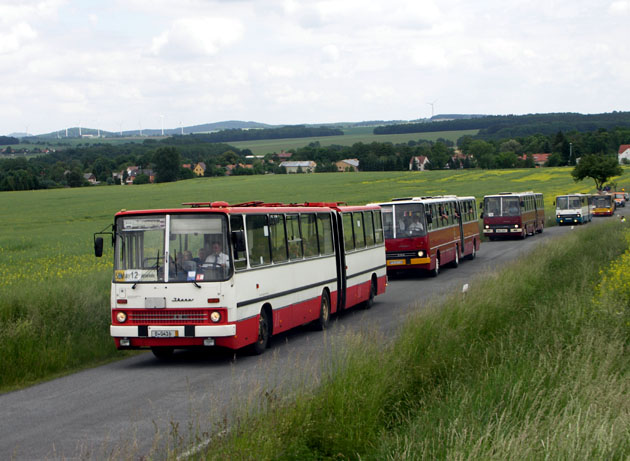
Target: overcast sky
(131,64)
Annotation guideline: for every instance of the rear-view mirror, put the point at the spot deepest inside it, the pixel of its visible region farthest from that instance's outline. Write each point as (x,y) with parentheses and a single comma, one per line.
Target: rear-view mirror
(98,247)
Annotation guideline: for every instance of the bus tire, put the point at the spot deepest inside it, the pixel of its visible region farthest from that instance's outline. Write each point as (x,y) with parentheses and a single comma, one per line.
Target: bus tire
(473,253)
(324,313)
(436,270)
(162,353)
(370,301)
(264,333)
(455,261)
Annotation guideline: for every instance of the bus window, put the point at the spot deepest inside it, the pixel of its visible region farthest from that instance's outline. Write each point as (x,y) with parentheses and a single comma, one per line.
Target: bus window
(309,234)
(388,221)
(359,230)
(511,206)
(325,234)
(240,257)
(369,228)
(378,227)
(293,237)
(258,240)
(278,238)
(348,236)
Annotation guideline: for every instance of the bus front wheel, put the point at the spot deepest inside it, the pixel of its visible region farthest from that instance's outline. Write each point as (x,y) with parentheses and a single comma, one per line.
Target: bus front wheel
(436,270)
(264,332)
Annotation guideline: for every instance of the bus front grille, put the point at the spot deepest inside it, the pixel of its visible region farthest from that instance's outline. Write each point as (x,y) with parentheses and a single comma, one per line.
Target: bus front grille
(169,317)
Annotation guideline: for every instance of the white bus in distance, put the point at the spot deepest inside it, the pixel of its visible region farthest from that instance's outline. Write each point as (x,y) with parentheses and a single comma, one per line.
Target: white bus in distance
(574,209)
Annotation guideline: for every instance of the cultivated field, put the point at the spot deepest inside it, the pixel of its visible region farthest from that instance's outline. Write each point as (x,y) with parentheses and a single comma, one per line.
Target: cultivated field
(350,137)
(54,295)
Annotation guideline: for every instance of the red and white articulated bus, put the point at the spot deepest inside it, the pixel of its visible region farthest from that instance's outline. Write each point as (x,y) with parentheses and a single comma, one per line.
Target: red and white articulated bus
(429,232)
(234,275)
(513,214)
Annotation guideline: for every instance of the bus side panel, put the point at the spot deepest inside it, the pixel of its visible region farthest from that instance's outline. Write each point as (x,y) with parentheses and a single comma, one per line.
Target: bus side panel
(444,241)
(246,334)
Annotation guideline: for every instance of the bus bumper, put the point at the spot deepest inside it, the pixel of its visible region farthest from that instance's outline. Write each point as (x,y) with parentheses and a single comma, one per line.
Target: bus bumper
(400,262)
(172,331)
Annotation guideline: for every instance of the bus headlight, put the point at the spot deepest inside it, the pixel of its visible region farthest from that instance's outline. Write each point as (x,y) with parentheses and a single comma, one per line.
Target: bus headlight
(215,317)
(121,317)
(420,254)
(516,226)
(487,226)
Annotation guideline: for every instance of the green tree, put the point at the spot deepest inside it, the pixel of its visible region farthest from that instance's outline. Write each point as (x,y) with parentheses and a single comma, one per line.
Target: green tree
(598,167)
(167,164)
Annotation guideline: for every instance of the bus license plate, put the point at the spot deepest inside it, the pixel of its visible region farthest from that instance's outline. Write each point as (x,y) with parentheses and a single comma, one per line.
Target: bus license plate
(164,333)
(501,230)
(395,262)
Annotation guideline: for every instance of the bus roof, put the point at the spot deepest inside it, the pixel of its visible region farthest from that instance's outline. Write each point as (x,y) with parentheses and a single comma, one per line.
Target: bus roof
(426,199)
(252,207)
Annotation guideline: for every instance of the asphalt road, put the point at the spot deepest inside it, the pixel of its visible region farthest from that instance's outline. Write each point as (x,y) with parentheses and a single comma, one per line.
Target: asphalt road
(129,408)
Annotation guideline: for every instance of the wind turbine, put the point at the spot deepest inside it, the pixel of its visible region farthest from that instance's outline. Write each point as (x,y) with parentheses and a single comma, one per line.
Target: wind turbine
(432,104)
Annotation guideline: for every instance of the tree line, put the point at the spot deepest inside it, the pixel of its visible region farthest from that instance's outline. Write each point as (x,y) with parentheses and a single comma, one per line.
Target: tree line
(65,168)
(497,127)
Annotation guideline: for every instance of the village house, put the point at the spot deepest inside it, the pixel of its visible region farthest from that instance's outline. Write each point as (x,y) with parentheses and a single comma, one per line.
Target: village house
(418,163)
(89,177)
(539,159)
(306,166)
(200,169)
(230,168)
(624,153)
(349,164)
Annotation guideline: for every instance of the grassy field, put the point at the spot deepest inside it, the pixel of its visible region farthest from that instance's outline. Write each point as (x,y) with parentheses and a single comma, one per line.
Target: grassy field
(537,370)
(350,137)
(54,295)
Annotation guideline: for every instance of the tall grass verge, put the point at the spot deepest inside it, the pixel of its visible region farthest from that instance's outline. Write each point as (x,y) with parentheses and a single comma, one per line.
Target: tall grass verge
(53,326)
(528,365)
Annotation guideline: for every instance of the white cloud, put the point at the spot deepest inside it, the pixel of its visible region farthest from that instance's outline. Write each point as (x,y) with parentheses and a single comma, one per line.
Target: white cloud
(197,37)
(620,6)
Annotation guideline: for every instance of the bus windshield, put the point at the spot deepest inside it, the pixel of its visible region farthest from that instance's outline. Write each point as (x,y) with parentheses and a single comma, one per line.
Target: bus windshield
(602,201)
(502,206)
(404,220)
(196,249)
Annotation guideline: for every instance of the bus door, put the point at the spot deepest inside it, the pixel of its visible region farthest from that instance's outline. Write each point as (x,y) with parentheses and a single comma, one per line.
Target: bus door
(460,220)
(340,260)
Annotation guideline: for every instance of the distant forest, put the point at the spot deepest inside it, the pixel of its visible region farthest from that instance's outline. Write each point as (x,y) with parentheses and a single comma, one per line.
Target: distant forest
(512,126)
(236,134)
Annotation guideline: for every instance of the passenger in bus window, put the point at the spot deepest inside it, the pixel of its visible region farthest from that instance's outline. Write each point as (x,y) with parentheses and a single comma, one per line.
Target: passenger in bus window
(202,254)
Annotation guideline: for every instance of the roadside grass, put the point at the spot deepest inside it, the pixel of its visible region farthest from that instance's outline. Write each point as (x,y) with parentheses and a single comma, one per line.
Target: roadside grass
(47,268)
(528,365)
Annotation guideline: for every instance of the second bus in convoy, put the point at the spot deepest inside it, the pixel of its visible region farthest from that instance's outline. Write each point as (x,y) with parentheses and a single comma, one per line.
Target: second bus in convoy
(429,232)
(603,205)
(515,214)
(234,275)
(573,209)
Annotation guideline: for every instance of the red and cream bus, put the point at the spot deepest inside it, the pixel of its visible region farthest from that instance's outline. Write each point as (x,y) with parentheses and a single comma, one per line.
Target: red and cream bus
(513,214)
(234,275)
(603,205)
(429,232)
